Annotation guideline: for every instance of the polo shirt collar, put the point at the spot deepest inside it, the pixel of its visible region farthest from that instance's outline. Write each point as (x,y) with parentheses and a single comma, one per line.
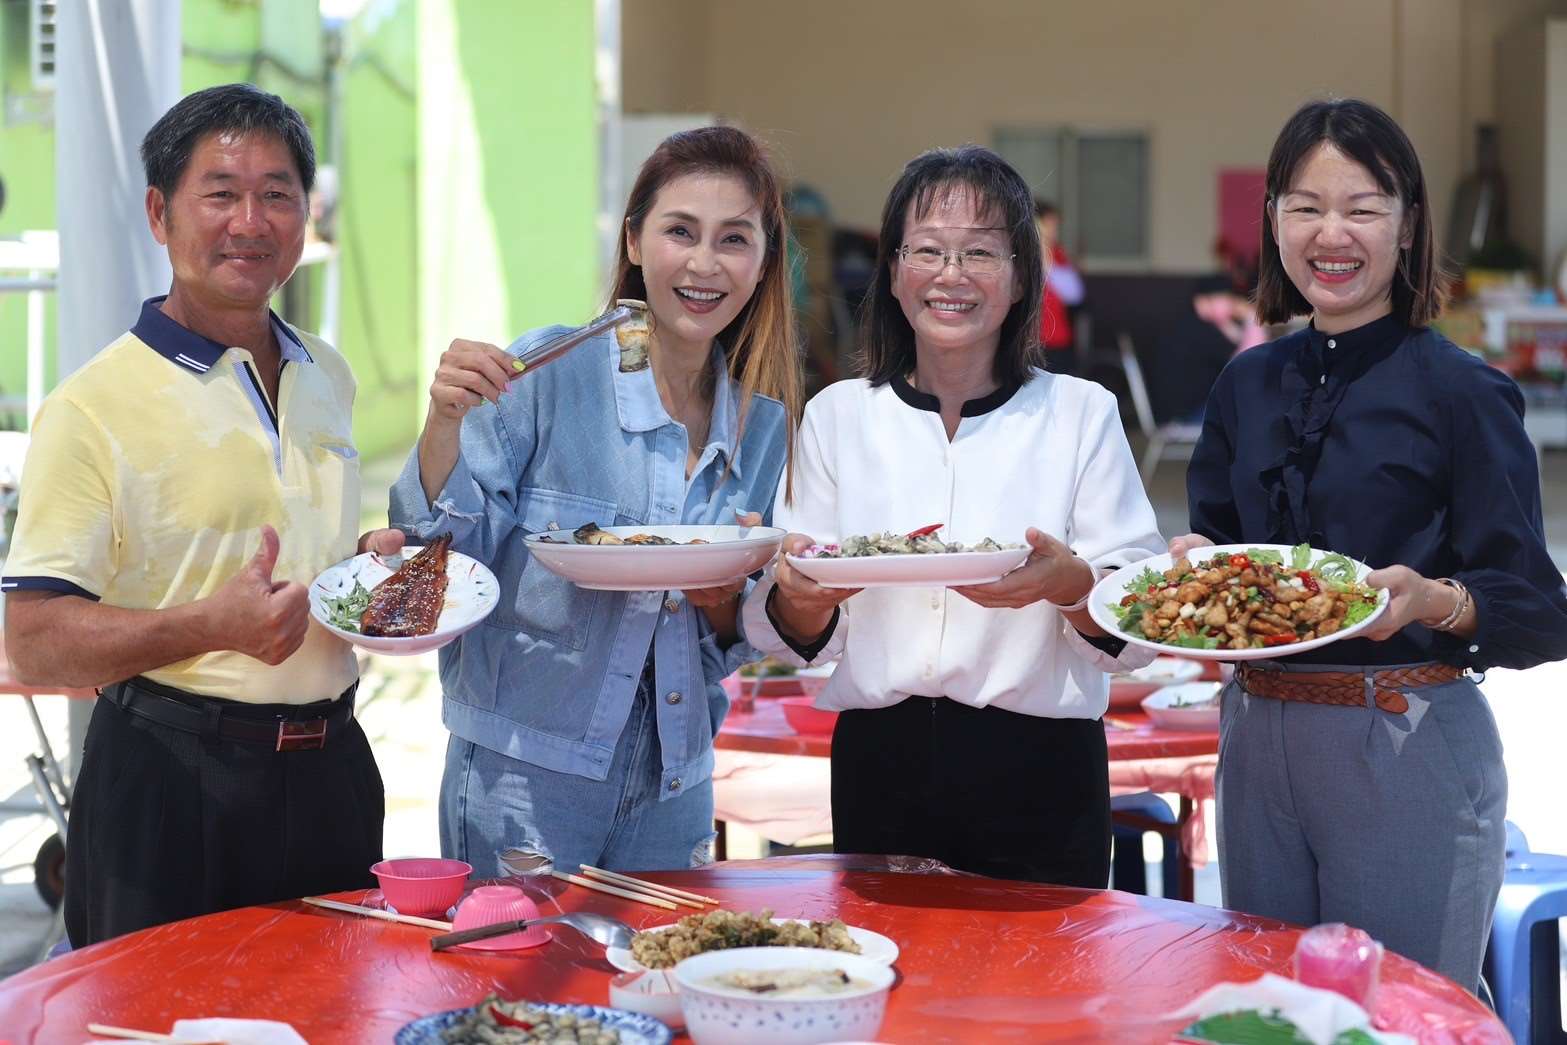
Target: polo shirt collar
(641,410)
(196,353)
(972,408)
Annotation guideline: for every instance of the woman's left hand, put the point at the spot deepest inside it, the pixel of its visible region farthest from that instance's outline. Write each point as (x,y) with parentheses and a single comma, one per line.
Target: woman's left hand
(1411,598)
(703,598)
(1052,573)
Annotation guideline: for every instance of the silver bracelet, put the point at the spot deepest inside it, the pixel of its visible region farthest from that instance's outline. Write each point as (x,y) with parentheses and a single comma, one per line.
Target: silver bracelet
(1450,622)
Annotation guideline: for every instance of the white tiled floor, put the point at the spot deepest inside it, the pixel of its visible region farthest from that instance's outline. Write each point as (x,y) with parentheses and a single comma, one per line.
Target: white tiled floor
(400,710)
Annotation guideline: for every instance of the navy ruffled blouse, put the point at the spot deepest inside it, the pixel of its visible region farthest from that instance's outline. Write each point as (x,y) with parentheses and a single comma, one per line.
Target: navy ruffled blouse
(1393,446)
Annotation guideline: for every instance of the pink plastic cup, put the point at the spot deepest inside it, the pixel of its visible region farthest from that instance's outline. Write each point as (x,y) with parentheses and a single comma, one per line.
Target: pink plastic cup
(490,904)
(1339,957)
(421,885)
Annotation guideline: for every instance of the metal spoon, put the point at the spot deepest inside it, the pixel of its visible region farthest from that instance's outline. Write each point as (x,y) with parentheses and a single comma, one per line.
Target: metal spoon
(608,931)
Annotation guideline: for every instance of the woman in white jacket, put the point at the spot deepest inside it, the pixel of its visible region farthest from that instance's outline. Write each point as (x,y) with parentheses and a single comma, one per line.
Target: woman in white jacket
(970,727)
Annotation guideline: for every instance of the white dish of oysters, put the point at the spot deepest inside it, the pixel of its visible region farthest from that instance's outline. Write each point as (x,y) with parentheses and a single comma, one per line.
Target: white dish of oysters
(655,558)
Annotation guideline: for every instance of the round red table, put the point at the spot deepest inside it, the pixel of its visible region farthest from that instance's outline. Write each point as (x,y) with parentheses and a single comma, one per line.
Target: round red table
(982,960)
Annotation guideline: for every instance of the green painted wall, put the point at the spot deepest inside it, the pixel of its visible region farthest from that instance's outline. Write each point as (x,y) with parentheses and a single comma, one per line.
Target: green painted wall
(469,175)
(27,167)
(508,170)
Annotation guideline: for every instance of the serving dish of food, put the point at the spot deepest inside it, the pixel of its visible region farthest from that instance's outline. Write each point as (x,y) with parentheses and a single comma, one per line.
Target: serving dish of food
(497,1022)
(664,946)
(1190,705)
(919,559)
(1238,602)
(1128,688)
(782,996)
(419,604)
(654,558)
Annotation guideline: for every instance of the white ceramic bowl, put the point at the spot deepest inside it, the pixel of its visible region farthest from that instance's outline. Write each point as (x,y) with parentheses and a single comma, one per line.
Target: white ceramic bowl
(732,552)
(1191,705)
(725,1016)
(471,593)
(653,993)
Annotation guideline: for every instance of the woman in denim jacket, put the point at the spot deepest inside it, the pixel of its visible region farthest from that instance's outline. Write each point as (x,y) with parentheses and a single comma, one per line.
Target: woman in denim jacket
(582,721)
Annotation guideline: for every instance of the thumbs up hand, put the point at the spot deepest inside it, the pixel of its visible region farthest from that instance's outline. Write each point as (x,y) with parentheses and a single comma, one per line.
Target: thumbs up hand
(257,616)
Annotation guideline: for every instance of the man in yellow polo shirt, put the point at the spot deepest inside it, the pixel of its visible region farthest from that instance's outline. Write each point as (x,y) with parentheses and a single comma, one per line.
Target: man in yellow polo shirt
(182,489)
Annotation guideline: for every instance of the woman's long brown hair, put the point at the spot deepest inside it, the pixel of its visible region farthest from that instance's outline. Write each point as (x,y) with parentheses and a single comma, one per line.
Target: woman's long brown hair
(761,344)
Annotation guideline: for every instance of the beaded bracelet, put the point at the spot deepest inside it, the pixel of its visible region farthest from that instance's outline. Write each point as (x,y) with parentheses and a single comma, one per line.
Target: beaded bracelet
(1450,622)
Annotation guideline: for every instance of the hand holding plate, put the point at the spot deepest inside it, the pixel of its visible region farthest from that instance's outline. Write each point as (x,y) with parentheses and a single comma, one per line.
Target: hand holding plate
(805,606)
(1052,573)
(1188,543)
(1411,598)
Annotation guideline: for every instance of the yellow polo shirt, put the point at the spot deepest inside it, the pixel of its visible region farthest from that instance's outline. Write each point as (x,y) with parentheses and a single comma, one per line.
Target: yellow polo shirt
(152,468)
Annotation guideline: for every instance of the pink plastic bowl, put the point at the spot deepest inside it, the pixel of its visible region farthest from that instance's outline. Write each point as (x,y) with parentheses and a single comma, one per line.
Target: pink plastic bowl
(803,718)
(421,885)
(489,904)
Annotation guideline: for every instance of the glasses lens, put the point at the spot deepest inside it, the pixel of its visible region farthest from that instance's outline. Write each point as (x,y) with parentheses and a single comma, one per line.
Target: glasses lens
(924,258)
(982,262)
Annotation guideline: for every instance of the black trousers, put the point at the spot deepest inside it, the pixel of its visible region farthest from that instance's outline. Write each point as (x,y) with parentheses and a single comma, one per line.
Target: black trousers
(980,789)
(167,824)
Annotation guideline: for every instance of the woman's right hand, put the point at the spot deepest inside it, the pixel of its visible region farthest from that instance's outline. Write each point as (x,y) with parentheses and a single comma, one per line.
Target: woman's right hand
(803,606)
(469,373)
(1183,545)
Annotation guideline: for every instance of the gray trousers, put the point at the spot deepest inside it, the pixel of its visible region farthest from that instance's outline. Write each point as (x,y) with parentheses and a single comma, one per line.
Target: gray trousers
(1392,823)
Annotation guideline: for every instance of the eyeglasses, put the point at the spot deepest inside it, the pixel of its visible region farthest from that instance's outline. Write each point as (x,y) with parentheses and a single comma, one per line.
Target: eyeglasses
(977,262)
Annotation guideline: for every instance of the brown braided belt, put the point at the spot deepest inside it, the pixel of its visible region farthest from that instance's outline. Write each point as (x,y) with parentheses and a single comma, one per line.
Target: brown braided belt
(1347,688)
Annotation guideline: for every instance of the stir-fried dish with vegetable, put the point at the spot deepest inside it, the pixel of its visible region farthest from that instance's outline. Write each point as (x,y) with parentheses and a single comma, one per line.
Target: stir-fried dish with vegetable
(1247,600)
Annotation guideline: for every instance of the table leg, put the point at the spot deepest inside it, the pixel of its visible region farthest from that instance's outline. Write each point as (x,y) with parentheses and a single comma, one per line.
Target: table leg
(720,840)
(1188,871)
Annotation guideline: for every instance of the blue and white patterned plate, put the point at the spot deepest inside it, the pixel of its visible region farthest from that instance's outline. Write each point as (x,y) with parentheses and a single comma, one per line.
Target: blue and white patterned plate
(471,593)
(634,1028)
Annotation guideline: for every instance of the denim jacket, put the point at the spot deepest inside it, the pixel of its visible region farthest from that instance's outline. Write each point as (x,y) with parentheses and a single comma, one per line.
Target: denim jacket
(549,677)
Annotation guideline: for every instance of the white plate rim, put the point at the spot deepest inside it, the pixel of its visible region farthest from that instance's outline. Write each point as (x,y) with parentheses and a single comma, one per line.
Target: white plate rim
(1113,588)
(886,947)
(456,562)
(599,567)
(865,571)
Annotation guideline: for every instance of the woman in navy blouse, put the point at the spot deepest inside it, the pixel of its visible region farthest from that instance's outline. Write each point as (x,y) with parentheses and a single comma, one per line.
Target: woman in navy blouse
(1363,781)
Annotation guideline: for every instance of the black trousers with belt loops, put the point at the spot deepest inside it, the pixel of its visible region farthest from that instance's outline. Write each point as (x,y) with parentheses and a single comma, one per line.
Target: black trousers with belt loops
(985,790)
(169,823)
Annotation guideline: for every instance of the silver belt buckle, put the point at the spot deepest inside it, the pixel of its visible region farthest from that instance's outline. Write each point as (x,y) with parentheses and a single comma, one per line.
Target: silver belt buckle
(301,736)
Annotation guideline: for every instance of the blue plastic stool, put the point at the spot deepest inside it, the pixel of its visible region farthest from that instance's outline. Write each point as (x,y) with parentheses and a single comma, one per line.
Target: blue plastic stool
(1522,963)
(1128,871)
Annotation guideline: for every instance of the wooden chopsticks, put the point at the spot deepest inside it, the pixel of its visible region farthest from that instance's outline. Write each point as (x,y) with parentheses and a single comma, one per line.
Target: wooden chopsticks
(103,1030)
(668,892)
(371,912)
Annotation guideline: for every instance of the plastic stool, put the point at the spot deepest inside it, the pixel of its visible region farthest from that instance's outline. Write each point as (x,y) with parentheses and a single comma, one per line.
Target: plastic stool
(1128,871)
(1522,963)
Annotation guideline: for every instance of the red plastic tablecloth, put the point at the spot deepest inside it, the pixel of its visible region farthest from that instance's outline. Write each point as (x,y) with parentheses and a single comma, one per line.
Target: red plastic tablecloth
(764,729)
(982,960)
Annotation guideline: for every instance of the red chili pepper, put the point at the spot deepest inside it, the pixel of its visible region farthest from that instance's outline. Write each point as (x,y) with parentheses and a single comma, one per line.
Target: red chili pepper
(505,1020)
(924,531)
(1277,640)
(1128,600)
(1310,581)
(1240,562)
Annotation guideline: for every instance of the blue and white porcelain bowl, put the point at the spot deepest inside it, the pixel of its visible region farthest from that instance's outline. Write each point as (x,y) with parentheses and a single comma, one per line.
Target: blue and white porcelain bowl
(720,1015)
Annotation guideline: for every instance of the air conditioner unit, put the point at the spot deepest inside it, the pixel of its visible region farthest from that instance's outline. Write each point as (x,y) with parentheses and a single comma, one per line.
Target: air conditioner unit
(42,18)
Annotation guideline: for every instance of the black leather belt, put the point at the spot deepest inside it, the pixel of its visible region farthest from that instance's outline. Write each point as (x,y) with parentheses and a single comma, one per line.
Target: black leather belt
(282,727)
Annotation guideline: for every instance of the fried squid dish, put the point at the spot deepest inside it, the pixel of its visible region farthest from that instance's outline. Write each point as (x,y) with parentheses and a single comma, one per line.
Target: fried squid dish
(408,603)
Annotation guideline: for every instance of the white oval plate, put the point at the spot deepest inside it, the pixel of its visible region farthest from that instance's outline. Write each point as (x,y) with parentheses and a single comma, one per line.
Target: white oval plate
(874,946)
(935,570)
(471,593)
(1164,706)
(1112,589)
(1164,671)
(732,552)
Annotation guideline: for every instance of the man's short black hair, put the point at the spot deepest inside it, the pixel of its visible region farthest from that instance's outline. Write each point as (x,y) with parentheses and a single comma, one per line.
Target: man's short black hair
(232,108)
